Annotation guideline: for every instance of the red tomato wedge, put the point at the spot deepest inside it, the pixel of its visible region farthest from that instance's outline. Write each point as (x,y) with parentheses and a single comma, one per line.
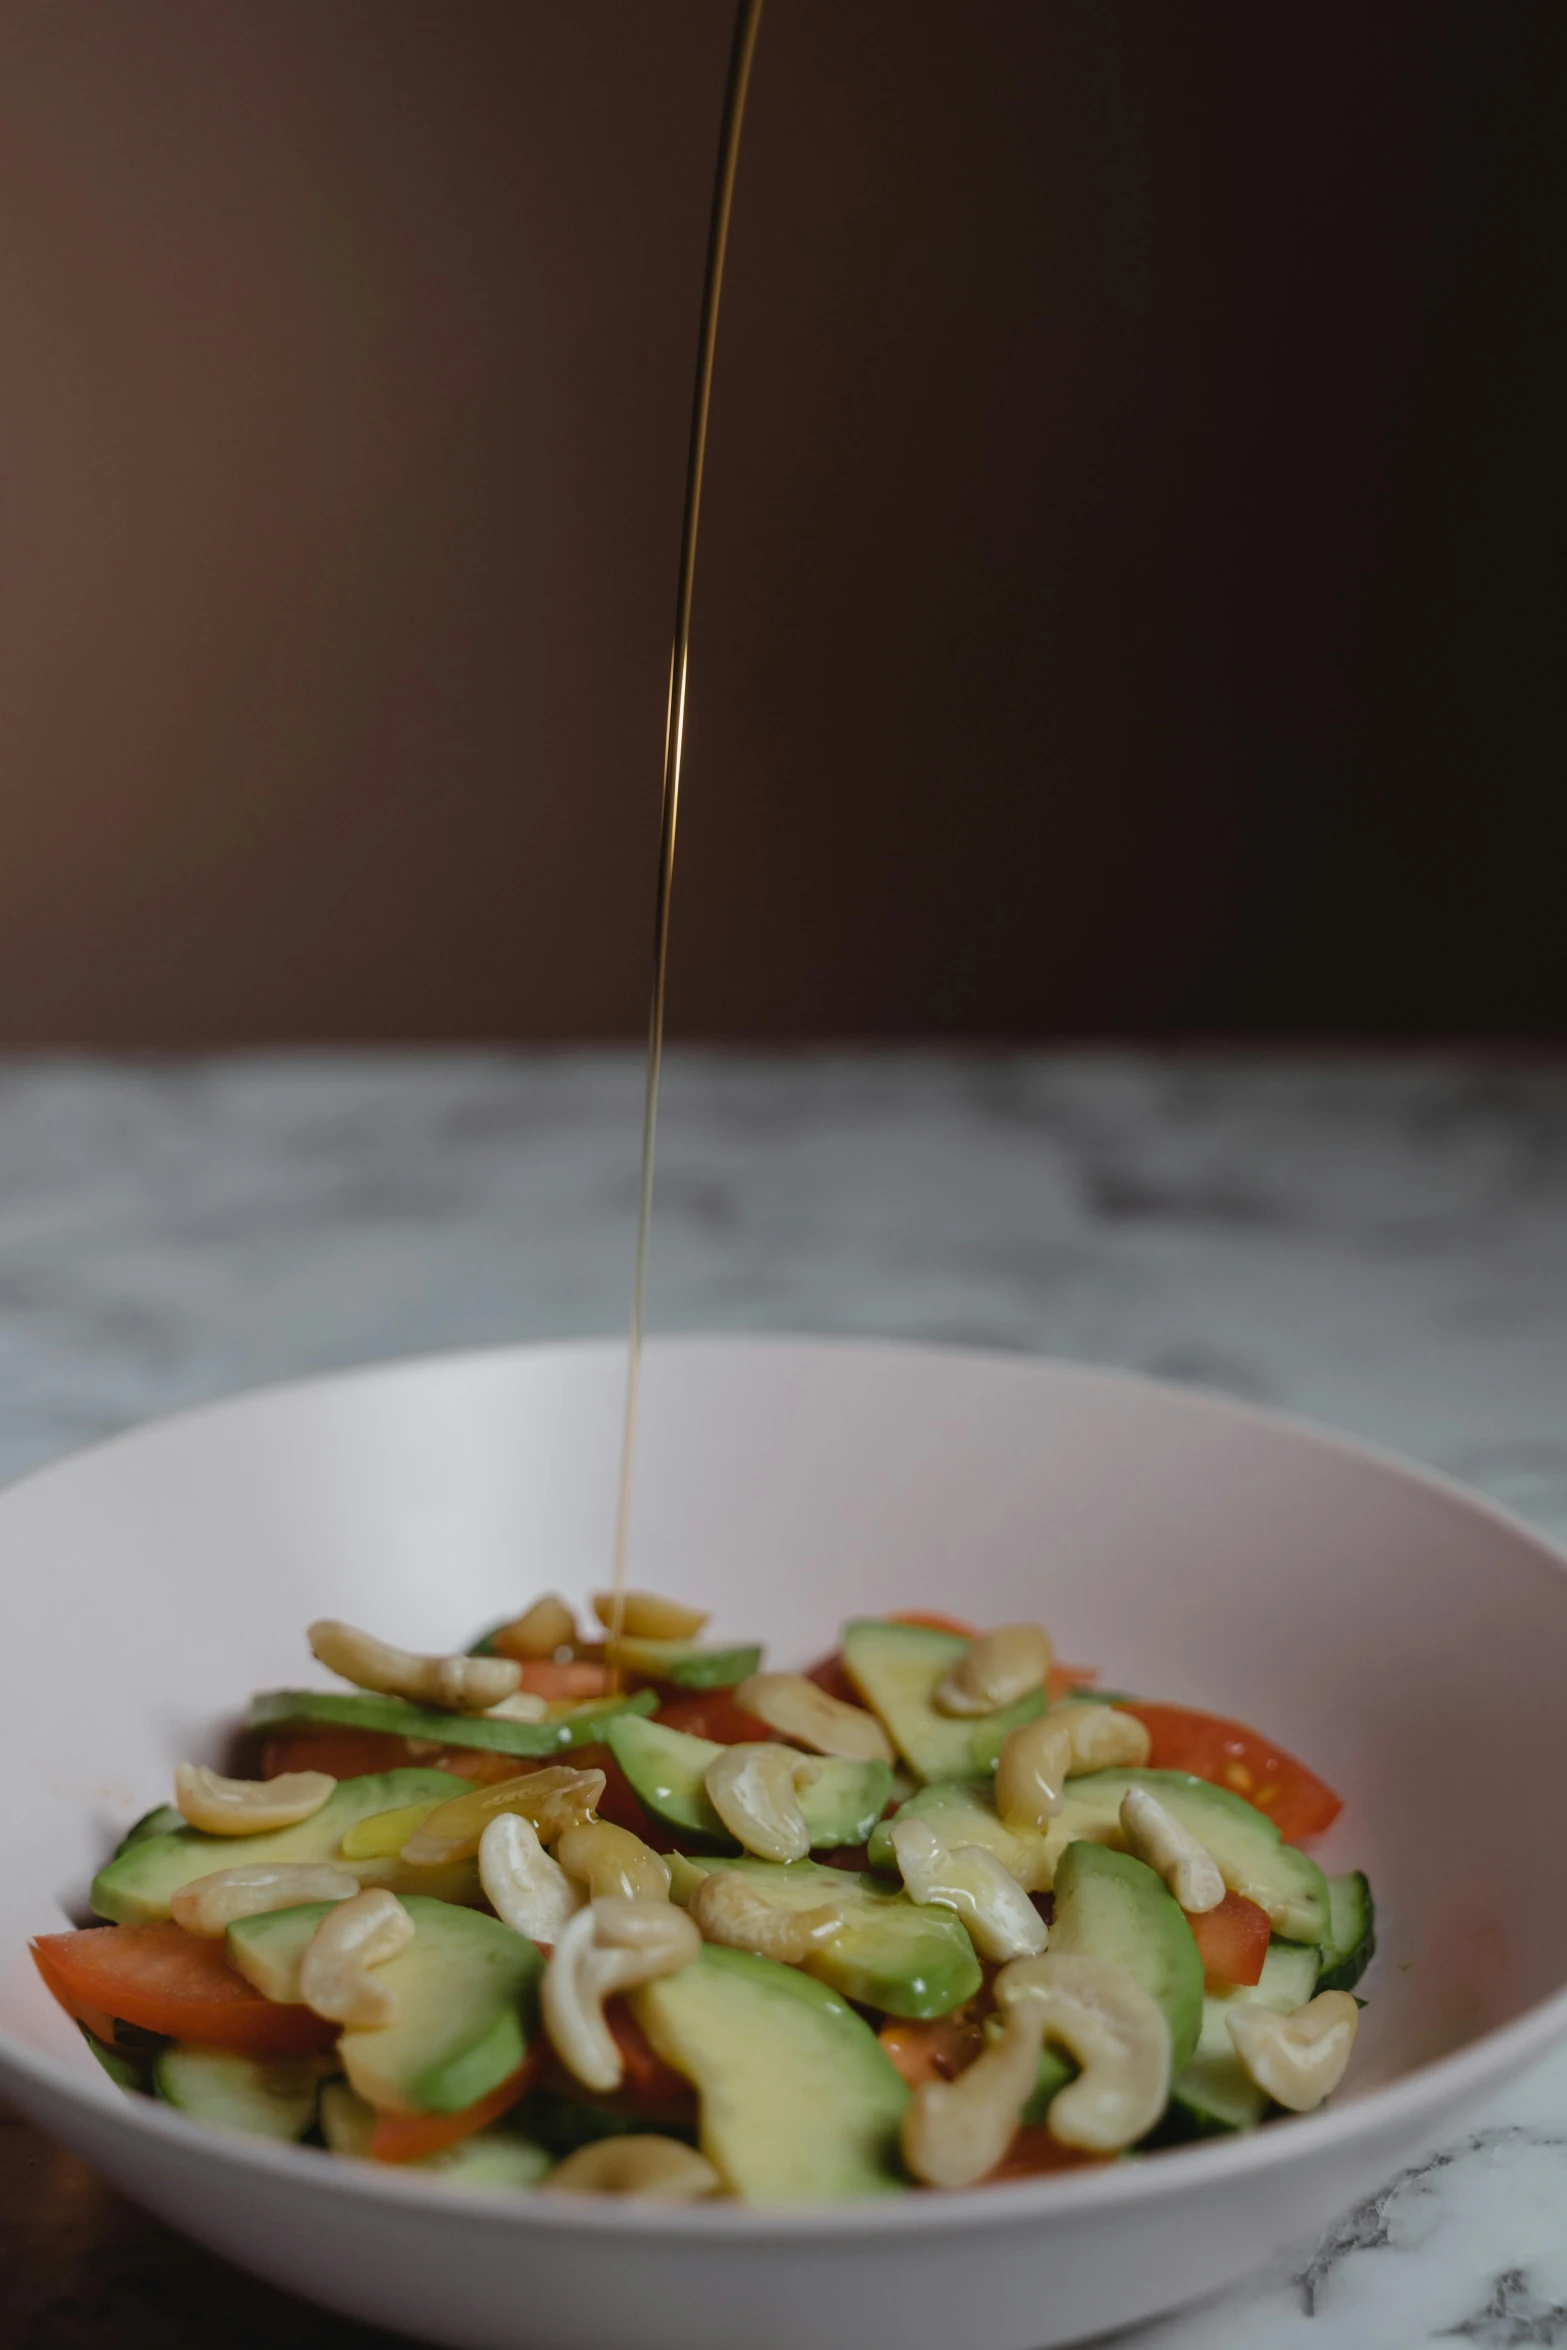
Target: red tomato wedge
(1062,1679)
(409,2137)
(934,1623)
(831,1674)
(648,2082)
(351,1754)
(1227,1753)
(575,1678)
(1232,1941)
(937,2050)
(713,1713)
(1032,2153)
(166,1980)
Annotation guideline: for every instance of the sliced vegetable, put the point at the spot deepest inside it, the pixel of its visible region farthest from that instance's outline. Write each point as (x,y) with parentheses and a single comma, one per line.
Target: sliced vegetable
(713,1715)
(937,2048)
(1351,1940)
(167,1981)
(1230,1755)
(895,1669)
(934,1623)
(413,2137)
(361,1710)
(1232,1941)
(262,2097)
(685,1662)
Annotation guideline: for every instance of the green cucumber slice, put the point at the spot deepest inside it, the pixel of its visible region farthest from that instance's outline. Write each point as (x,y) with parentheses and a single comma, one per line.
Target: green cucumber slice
(895,1668)
(272,2097)
(1350,1943)
(275,1709)
(666,1768)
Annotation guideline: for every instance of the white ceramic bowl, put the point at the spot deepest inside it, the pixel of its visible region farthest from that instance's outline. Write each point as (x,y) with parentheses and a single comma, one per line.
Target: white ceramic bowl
(1408,1640)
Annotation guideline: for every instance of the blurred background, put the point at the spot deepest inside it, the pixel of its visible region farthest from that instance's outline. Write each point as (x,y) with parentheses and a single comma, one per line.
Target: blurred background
(1132,580)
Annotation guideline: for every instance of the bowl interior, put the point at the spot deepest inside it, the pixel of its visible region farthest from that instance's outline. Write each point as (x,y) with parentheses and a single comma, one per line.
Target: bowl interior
(1410,1645)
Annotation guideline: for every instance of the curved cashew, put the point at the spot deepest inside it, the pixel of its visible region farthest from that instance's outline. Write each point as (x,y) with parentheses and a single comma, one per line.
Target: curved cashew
(539,1631)
(646,1615)
(1297,2059)
(522,1706)
(610,1946)
(752,1789)
(1039,1757)
(526,1889)
(730,1911)
(1159,1838)
(209,1905)
(996,1670)
(455,1684)
(1118,2035)
(334,1972)
(1002,1922)
(955,2131)
(650,2169)
(797,1709)
(245,1807)
(610,1860)
(554,1799)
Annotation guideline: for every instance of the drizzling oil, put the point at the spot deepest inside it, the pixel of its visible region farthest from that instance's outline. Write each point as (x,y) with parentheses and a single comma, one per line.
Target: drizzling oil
(748,17)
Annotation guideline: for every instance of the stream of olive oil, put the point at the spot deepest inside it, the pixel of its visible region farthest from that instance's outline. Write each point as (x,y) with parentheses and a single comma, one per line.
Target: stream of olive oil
(748,17)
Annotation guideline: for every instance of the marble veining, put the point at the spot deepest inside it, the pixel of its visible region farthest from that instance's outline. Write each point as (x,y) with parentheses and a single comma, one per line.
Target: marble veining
(1379,1243)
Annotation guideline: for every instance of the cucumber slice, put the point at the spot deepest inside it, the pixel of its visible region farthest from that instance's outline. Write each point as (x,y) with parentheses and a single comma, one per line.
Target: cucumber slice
(496,2158)
(134,1889)
(1214,2094)
(686,1662)
(126,2071)
(895,1668)
(162,1820)
(888,1953)
(1110,1906)
(1243,1841)
(1351,1940)
(275,1709)
(273,2097)
(842,1803)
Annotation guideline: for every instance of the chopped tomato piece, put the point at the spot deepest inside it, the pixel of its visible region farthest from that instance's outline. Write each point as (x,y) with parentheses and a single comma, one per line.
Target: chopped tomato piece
(649,2083)
(620,1802)
(1062,1679)
(1232,1941)
(409,2137)
(713,1713)
(166,1980)
(574,1678)
(351,1754)
(1230,1755)
(832,1675)
(1032,2153)
(936,2050)
(934,1623)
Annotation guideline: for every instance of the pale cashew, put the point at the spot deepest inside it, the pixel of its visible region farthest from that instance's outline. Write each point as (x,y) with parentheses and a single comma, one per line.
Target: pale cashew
(1297,2059)
(523,1706)
(539,1631)
(646,1615)
(246,1807)
(554,1799)
(610,1946)
(955,2131)
(1168,1845)
(648,2169)
(209,1905)
(526,1889)
(610,1860)
(1039,1757)
(334,1972)
(1002,1922)
(730,1911)
(752,1789)
(996,1670)
(1117,2033)
(797,1709)
(453,1684)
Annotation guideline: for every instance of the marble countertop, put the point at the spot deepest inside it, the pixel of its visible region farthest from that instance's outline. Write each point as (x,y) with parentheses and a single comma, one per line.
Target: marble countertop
(1378,1243)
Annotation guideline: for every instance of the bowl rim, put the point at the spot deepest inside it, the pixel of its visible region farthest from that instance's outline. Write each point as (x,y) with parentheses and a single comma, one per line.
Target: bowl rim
(1402,2107)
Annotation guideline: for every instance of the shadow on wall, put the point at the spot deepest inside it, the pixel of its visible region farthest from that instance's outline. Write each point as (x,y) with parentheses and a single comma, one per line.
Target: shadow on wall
(1130,589)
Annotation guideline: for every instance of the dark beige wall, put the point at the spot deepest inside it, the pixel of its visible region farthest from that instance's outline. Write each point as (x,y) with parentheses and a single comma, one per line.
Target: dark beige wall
(1133,523)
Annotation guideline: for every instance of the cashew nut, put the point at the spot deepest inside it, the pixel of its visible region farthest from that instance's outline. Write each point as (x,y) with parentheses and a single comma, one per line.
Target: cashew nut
(955,2131)
(1166,1844)
(610,1946)
(1297,2059)
(245,1807)
(334,1972)
(209,1905)
(610,1860)
(996,1670)
(522,1706)
(752,1789)
(797,1709)
(554,1799)
(455,1684)
(649,2169)
(1117,2033)
(645,1615)
(539,1631)
(1039,1757)
(526,1889)
(1002,1922)
(729,1910)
